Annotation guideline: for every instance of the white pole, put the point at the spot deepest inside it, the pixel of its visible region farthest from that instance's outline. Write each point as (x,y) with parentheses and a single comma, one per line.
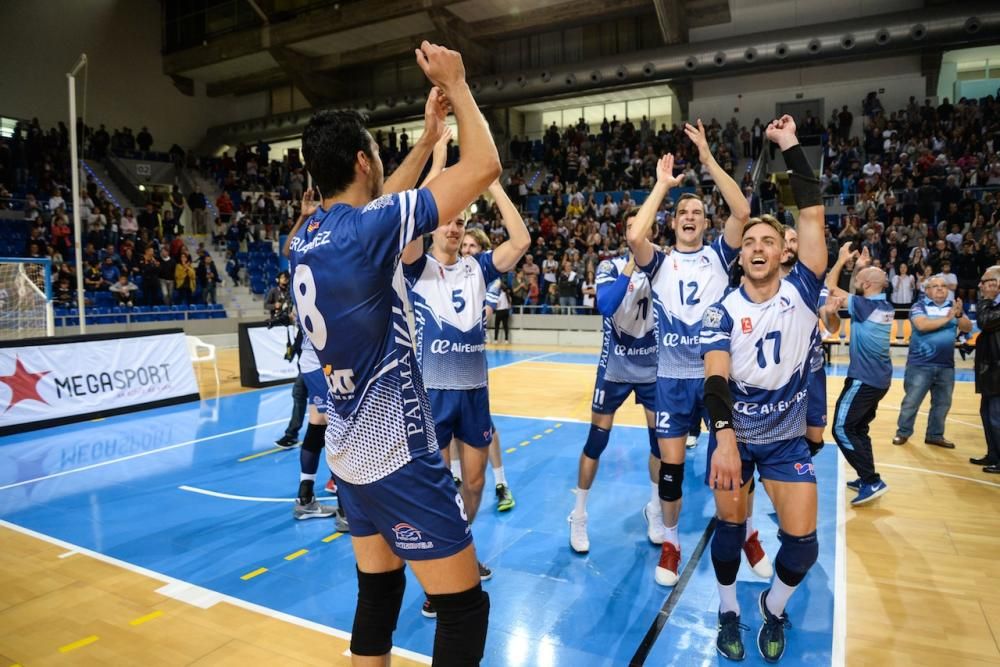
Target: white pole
(75,173)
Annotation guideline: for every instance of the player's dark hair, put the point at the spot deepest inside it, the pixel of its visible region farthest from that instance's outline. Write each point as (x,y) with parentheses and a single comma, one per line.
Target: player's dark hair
(690,195)
(330,145)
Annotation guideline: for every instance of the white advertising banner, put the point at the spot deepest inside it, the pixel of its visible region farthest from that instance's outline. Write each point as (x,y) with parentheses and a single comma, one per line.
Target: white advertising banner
(269,347)
(42,382)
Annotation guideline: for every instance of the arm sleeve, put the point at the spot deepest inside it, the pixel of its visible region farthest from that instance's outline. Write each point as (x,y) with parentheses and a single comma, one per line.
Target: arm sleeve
(988,316)
(807,284)
(918,310)
(388,223)
(411,272)
(490,272)
(653,267)
(493,294)
(610,294)
(726,253)
(716,329)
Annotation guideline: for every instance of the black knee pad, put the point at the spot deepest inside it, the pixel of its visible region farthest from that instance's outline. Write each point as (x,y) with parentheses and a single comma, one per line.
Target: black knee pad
(597,441)
(796,555)
(462,619)
(726,545)
(671,481)
(315,438)
(379,599)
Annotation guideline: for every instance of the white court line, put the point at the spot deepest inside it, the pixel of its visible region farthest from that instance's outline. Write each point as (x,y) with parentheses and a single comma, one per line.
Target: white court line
(253,499)
(938,472)
(71,552)
(838,656)
(524,361)
(559,419)
(140,454)
(177,583)
(924,414)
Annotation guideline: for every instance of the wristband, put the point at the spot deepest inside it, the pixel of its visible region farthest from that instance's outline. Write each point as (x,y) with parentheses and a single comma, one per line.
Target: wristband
(719,403)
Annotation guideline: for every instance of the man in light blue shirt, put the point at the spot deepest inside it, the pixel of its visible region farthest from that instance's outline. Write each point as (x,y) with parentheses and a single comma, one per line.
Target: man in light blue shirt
(930,364)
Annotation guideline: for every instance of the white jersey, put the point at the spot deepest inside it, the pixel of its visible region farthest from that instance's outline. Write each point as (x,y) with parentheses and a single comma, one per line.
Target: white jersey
(308,360)
(770,346)
(448,310)
(684,285)
(628,348)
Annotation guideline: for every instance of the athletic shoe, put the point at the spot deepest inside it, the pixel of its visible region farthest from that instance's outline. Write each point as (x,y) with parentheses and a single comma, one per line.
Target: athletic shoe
(505,499)
(984,461)
(691,442)
(331,486)
(485,573)
(341,521)
(666,569)
(428,609)
(655,530)
(900,440)
(729,643)
(992,469)
(286,442)
(855,485)
(313,510)
(759,562)
(578,539)
(771,636)
(940,442)
(869,492)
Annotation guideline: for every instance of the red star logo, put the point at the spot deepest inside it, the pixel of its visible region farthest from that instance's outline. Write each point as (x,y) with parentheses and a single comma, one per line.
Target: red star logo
(23,385)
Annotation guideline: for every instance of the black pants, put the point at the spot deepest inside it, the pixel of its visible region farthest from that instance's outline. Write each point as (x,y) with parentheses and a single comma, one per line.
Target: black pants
(989,411)
(501,317)
(300,399)
(855,411)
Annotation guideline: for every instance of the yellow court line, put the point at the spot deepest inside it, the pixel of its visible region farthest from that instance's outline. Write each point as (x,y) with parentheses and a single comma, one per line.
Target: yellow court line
(78,644)
(548,430)
(147,617)
(536,437)
(256,573)
(331,538)
(558,425)
(259,454)
(526,442)
(293,556)
(510,450)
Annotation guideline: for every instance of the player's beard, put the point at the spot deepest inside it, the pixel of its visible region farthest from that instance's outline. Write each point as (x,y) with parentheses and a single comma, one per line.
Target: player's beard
(375,183)
(790,259)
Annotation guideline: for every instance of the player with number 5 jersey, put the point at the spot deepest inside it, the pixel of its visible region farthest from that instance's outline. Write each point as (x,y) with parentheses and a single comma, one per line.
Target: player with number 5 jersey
(349,291)
(684,284)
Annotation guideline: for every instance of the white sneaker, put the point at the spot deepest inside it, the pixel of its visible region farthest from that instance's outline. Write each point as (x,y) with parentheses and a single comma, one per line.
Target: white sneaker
(578,539)
(655,530)
(691,442)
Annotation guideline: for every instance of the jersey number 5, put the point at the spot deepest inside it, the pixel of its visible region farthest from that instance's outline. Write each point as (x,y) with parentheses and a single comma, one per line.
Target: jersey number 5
(457,300)
(305,301)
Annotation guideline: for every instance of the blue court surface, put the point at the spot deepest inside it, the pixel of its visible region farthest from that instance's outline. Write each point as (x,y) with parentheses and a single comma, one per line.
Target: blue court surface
(194,492)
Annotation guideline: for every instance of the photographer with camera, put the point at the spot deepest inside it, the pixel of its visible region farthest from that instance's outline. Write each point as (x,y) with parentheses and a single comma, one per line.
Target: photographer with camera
(278,303)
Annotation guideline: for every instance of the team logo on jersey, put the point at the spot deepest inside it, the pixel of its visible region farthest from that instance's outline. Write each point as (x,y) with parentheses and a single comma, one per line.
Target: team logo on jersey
(406,533)
(340,382)
(313,225)
(712,317)
(631,287)
(705,261)
(802,469)
(747,325)
(381,202)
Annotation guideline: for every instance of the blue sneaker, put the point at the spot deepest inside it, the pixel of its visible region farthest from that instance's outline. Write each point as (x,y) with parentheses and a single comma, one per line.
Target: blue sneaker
(869,492)
(855,485)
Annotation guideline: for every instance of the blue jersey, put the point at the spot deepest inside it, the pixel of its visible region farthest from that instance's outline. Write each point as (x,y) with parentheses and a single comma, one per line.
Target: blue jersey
(933,348)
(350,296)
(871,326)
(493,294)
(818,359)
(685,284)
(628,348)
(770,346)
(448,309)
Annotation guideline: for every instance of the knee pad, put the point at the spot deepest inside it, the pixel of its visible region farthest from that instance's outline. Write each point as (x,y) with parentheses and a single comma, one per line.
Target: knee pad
(814,447)
(671,484)
(597,441)
(796,555)
(727,542)
(315,438)
(654,443)
(462,619)
(379,599)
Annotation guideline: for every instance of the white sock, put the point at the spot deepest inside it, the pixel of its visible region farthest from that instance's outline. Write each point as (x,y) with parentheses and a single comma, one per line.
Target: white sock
(670,535)
(499,476)
(303,477)
(778,596)
(581,502)
(749,525)
(654,497)
(456,468)
(727,598)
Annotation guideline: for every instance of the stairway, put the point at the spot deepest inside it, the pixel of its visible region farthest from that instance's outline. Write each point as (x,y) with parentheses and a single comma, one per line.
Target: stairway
(105,183)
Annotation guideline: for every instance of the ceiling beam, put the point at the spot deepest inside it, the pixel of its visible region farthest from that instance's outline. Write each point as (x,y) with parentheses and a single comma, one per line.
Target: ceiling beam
(558,16)
(458,36)
(248,83)
(318,88)
(673,21)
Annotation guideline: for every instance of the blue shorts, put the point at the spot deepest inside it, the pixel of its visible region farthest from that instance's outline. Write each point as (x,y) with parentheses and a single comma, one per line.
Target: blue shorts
(417,509)
(816,398)
(462,414)
(679,406)
(316,386)
(609,396)
(785,461)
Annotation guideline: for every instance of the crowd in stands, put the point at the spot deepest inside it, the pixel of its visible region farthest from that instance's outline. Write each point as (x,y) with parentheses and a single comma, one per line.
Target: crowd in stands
(916,186)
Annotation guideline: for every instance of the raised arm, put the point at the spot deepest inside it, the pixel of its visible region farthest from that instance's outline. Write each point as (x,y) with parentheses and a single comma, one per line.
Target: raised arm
(509,253)
(739,207)
(833,277)
(829,313)
(611,293)
(309,206)
(414,250)
(638,234)
(805,189)
(406,174)
(479,164)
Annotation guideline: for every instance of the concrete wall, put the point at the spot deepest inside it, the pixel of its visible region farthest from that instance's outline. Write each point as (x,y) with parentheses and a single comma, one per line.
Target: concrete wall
(126,84)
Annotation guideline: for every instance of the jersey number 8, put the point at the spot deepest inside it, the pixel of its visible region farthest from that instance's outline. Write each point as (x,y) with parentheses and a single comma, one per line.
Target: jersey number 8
(305,301)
